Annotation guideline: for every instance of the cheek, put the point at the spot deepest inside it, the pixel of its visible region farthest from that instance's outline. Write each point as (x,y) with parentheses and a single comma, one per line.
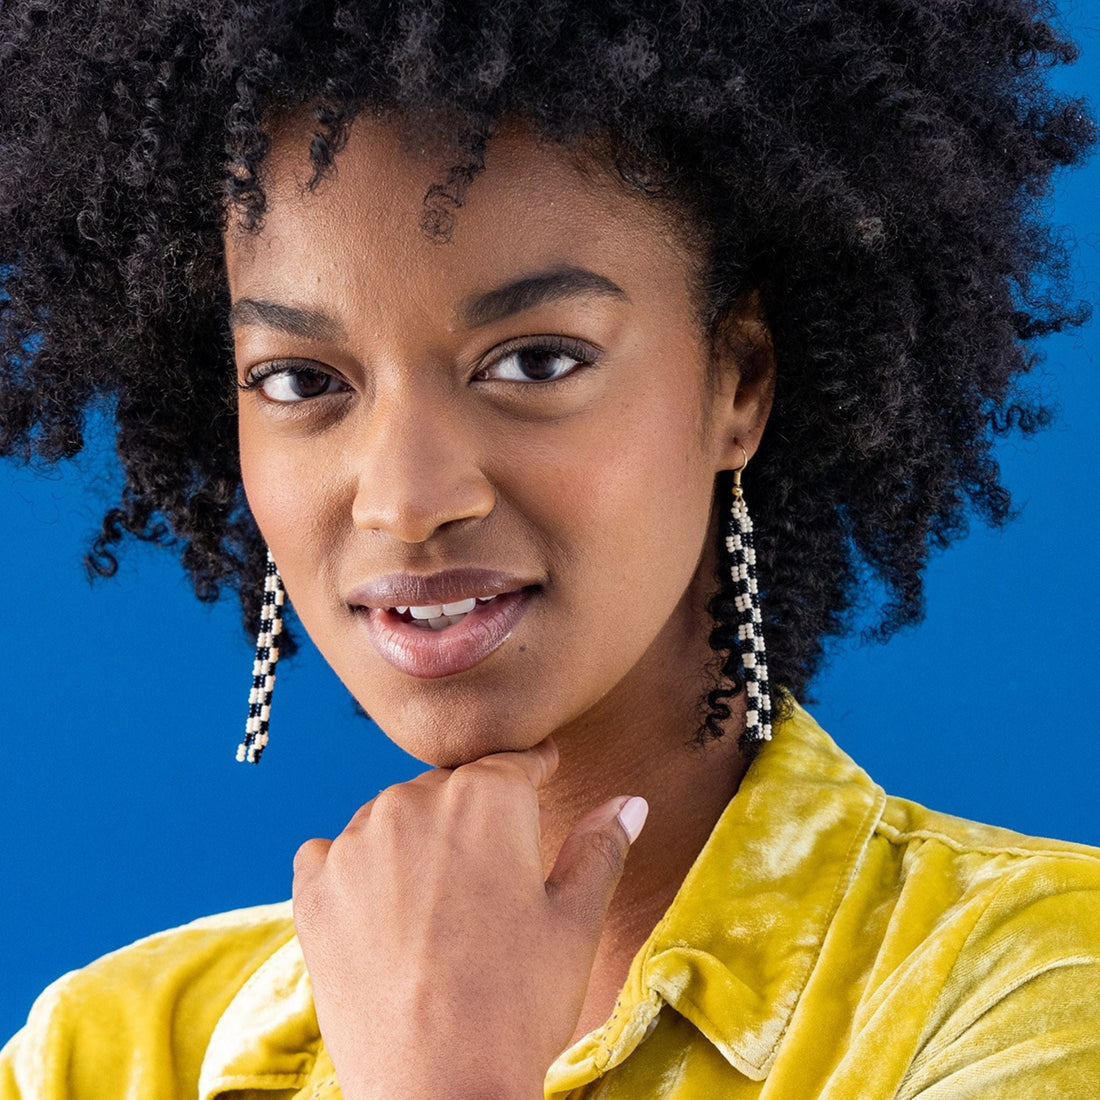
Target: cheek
(636,497)
(264,476)
(291,493)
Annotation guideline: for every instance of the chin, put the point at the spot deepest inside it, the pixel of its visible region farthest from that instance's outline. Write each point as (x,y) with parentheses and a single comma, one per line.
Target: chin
(449,739)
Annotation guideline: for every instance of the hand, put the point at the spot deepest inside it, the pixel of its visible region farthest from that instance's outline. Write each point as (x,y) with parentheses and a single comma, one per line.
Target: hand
(442,962)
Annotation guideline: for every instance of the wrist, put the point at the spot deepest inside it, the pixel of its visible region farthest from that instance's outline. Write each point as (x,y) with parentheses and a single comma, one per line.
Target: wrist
(446,1080)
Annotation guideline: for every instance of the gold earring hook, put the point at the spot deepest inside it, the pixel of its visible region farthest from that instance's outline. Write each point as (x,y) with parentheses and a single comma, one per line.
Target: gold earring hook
(737,472)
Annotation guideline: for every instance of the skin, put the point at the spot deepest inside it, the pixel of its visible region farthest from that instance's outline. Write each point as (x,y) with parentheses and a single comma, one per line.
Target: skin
(487,891)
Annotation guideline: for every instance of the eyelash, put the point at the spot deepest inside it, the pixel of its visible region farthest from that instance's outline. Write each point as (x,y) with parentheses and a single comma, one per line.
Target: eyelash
(258,375)
(560,346)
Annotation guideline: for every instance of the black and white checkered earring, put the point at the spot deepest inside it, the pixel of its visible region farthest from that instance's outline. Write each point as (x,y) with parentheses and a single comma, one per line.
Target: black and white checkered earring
(750,633)
(263,669)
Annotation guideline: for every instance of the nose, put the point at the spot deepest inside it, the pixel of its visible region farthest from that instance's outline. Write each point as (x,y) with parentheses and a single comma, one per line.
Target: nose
(418,471)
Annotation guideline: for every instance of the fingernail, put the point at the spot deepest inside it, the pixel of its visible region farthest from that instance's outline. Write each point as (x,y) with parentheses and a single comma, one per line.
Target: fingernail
(632,814)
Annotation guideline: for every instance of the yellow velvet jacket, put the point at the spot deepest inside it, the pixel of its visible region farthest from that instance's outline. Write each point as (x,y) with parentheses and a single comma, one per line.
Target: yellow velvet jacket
(829,941)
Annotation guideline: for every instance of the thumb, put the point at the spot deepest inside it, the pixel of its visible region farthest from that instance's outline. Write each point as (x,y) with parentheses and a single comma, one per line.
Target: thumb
(590,862)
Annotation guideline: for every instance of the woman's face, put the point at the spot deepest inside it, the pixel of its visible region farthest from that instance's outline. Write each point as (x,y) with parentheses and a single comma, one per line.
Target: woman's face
(522,413)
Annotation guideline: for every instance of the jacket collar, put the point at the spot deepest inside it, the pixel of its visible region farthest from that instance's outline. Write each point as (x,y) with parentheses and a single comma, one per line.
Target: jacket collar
(737,946)
(267,1038)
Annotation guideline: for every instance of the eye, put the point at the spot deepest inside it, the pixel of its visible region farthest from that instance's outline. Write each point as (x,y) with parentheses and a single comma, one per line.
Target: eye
(546,361)
(291,383)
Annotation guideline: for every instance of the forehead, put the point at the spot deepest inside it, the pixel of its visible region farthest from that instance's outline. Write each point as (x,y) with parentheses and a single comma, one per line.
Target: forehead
(535,203)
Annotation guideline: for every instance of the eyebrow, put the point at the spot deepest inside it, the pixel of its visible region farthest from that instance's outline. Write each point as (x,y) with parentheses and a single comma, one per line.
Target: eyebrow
(535,290)
(311,324)
(480,309)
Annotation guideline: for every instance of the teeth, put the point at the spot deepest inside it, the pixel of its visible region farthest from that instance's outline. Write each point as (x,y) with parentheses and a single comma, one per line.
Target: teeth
(440,622)
(462,607)
(437,616)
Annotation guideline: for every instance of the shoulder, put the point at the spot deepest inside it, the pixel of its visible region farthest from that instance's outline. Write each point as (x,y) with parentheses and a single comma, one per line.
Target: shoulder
(138,1021)
(1012,878)
(1008,927)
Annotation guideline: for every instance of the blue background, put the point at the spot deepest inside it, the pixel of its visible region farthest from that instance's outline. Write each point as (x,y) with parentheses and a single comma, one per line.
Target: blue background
(122,702)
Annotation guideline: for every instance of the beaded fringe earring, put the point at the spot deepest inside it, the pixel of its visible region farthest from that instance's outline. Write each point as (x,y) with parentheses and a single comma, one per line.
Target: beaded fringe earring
(263,669)
(750,634)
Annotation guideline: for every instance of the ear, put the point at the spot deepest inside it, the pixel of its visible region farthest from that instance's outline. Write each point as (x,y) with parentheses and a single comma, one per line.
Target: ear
(743,366)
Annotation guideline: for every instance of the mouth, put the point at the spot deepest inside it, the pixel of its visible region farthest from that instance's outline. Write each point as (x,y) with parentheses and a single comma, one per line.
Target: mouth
(439,616)
(450,622)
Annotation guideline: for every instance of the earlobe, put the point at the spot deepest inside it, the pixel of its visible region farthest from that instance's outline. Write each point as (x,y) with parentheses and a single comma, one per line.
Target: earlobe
(745,365)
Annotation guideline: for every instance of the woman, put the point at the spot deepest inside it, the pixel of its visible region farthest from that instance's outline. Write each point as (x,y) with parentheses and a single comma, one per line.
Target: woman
(506,345)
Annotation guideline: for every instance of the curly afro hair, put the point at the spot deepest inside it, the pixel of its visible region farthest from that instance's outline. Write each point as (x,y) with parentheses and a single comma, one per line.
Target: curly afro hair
(875,169)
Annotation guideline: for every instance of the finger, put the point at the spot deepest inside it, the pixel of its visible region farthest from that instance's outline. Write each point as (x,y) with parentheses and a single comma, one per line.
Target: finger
(537,763)
(591,861)
(310,858)
(362,815)
(426,781)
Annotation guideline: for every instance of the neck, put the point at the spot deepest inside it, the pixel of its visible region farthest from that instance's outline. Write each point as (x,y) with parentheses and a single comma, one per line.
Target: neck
(640,741)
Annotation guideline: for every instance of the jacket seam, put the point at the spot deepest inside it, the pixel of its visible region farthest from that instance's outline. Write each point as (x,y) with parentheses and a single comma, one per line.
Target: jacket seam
(899,836)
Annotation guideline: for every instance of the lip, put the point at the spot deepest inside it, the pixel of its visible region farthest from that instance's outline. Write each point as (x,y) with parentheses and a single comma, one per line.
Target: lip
(448,586)
(430,654)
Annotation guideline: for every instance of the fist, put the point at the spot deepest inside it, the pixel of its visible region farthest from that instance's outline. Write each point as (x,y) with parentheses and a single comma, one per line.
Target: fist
(443,962)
